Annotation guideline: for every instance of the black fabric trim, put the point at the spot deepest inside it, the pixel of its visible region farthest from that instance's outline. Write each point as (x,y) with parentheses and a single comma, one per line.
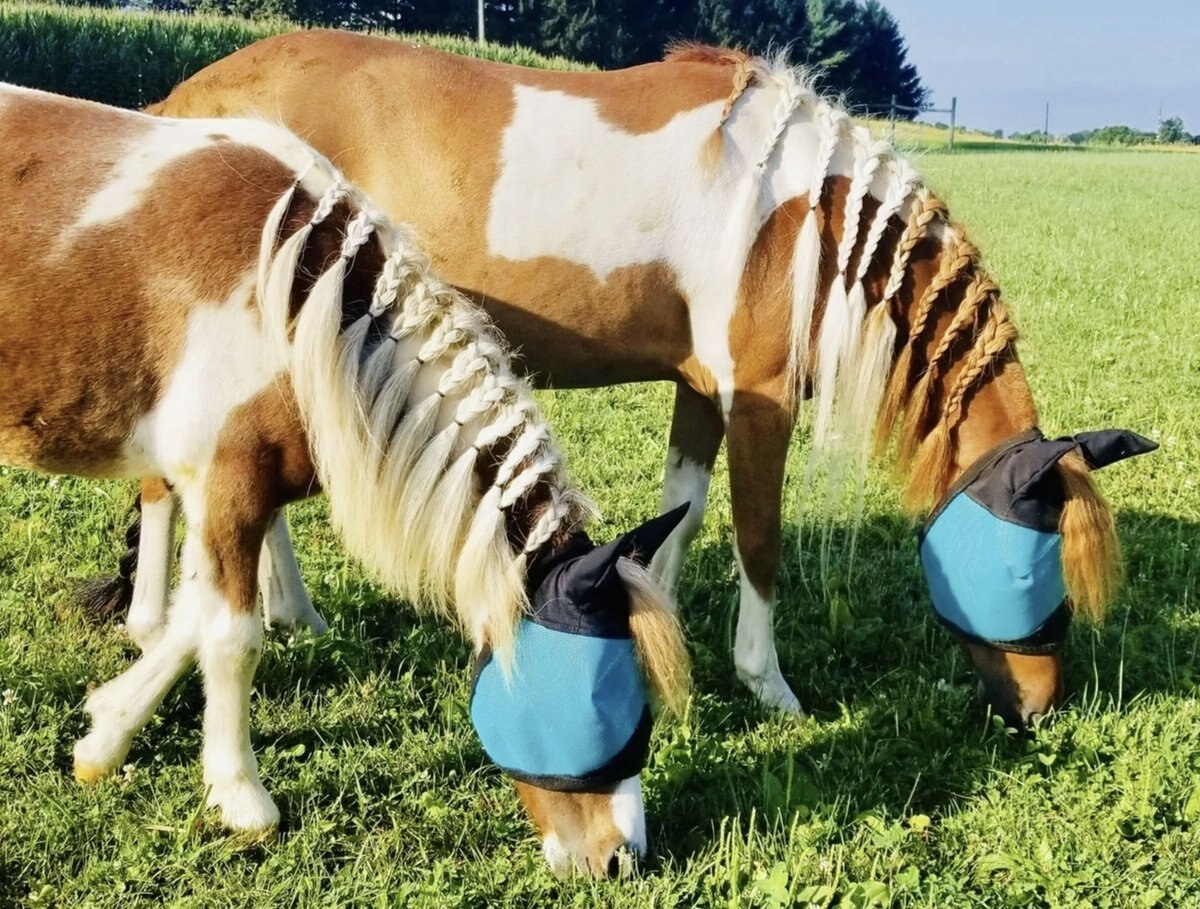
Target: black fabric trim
(568,595)
(1048,638)
(975,471)
(626,763)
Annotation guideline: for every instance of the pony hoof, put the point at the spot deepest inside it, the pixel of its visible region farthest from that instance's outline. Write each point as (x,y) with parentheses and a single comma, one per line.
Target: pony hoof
(96,757)
(774,693)
(246,807)
(315,623)
(89,774)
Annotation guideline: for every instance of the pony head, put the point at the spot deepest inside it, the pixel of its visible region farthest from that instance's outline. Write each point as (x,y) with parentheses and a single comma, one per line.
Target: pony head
(568,718)
(1007,551)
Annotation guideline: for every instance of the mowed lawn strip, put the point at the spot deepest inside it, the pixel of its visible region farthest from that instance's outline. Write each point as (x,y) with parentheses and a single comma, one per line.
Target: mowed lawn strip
(898,790)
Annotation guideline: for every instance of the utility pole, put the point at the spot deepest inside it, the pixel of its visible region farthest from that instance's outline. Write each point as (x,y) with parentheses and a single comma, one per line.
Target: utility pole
(1046,131)
(481,38)
(953,114)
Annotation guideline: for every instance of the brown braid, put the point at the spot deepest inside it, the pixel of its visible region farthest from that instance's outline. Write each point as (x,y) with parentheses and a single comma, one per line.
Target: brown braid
(930,471)
(925,212)
(956,259)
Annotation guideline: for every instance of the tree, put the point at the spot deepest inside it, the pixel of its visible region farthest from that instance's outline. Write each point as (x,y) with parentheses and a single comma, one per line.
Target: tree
(1171,132)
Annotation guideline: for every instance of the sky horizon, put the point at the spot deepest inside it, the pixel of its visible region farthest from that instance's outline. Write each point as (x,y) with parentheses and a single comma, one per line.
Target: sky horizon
(1097,63)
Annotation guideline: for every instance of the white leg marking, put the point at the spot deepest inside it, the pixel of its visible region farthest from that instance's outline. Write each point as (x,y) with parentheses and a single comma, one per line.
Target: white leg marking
(557,857)
(122,707)
(230,645)
(754,652)
(156,552)
(629,813)
(285,599)
(685,481)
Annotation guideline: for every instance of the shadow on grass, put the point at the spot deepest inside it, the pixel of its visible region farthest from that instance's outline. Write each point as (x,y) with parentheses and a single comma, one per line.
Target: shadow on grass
(894,728)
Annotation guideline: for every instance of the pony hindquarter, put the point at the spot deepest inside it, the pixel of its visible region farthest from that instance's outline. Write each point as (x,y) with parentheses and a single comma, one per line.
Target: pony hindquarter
(268,328)
(738,235)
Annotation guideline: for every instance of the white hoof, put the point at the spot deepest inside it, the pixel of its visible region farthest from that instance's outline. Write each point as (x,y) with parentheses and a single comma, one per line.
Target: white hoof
(773,691)
(289,614)
(98,754)
(246,806)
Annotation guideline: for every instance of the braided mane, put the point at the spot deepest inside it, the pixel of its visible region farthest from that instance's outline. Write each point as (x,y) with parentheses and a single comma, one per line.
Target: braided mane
(417,419)
(867,380)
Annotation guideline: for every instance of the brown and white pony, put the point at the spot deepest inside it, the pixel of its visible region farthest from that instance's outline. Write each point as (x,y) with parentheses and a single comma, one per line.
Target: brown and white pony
(209,302)
(707,220)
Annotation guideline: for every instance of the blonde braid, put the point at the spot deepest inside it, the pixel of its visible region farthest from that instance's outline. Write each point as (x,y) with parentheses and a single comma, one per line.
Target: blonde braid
(743,78)
(996,337)
(928,209)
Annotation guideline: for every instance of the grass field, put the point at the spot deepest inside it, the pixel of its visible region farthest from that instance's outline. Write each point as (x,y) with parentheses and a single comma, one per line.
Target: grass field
(897,791)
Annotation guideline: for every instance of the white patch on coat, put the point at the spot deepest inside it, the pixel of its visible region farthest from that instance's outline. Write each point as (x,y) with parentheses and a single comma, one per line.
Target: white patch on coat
(156,553)
(575,187)
(225,363)
(285,599)
(557,856)
(754,653)
(685,481)
(134,175)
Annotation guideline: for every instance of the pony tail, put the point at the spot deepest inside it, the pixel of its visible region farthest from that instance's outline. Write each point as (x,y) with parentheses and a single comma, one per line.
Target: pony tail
(1091,553)
(657,637)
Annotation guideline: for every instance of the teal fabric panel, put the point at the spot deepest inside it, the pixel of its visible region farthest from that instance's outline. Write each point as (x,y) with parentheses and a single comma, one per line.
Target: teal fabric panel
(572,703)
(988,577)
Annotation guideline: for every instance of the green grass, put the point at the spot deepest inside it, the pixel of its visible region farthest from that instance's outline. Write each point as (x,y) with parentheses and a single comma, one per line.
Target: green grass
(898,789)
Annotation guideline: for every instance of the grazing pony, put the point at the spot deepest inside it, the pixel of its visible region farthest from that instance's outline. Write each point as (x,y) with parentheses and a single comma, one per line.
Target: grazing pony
(710,221)
(228,314)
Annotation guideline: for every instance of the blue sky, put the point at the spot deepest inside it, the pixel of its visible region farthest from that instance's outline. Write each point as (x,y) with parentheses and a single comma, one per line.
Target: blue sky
(1097,63)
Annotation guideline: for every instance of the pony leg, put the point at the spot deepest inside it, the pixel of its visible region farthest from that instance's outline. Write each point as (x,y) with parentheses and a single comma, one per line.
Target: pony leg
(156,551)
(285,599)
(759,431)
(696,433)
(120,708)
(230,637)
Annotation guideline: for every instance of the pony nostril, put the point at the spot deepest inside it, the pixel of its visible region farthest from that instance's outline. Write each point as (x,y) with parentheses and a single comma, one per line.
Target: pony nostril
(620,863)
(614,867)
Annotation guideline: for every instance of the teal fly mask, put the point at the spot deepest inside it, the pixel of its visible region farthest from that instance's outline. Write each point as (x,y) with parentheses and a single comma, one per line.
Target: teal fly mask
(992,551)
(573,715)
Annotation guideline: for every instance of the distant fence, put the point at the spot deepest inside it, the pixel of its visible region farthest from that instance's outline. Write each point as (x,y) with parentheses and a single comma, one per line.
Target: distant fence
(892,109)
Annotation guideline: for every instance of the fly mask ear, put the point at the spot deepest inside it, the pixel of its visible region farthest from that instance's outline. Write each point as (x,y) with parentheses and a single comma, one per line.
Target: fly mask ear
(573,714)
(992,551)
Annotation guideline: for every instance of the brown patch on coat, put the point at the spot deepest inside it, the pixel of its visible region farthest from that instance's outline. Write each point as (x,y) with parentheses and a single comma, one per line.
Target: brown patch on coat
(569,326)
(92,320)
(262,462)
(154,490)
(1020,687)
(696,52)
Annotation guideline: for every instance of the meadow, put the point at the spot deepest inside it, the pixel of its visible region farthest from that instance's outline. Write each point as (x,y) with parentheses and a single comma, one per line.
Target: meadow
(897,790)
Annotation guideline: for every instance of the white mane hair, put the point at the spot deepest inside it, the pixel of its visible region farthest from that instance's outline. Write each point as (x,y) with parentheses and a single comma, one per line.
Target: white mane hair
(402,403)
(851,359)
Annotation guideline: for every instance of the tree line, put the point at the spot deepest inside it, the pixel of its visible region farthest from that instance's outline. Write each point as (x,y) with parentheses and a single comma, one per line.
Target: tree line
(855,47)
